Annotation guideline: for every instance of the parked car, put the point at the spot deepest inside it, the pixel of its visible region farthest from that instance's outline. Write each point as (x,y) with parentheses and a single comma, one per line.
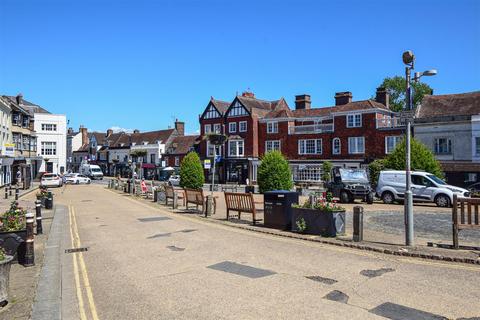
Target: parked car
(51,180)
(174,180)
(426,187)
(77,178)
(92,171)
(350,184)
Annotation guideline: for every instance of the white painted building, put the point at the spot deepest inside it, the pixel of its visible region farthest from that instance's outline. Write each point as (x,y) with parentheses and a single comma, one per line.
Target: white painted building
(6,150)
(51,131)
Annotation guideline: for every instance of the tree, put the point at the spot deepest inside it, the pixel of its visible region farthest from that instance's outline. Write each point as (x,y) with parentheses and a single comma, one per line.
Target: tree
(396,88)
(421,158)
(374,169)
(274,173)
(191,172)
(326,171)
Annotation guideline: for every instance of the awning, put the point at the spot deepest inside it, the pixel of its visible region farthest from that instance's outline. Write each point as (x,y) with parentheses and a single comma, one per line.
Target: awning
(168,169)
(148,165)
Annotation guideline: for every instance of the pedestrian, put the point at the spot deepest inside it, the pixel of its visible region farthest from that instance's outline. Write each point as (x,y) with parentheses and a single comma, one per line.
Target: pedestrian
(19,177)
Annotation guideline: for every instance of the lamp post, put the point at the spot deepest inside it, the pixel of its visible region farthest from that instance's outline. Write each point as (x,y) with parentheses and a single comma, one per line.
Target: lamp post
(216,139)
(409,60)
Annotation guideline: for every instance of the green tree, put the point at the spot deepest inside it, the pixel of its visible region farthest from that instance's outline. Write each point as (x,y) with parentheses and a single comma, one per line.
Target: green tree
(191,172)
(374,169)
(396,87)
(274,173)
(421,158)
(326,171)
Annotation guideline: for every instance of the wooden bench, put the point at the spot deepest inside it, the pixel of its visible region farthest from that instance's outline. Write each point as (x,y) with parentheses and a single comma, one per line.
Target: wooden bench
(169,194)
(464,219)
(241,202)
(196,197)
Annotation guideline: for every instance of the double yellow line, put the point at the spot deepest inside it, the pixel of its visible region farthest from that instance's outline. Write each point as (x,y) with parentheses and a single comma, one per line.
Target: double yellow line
(80,267)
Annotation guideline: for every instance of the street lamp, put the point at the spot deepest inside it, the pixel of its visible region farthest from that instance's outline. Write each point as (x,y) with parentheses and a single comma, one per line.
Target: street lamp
(216,139)
(409,60)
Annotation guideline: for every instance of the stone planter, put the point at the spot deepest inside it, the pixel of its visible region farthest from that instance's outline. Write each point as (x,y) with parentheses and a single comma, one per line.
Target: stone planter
(326,224)
(14,244)
(4,279)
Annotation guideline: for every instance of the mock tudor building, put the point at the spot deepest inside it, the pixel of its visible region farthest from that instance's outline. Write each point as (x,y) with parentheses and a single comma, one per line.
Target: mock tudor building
(349,134)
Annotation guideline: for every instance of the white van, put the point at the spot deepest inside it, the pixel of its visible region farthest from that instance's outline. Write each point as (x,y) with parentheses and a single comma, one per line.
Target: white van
(426,187)
(92,171)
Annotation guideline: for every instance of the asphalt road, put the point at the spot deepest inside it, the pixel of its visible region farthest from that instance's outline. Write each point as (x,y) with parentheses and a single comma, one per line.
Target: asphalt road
(146,263)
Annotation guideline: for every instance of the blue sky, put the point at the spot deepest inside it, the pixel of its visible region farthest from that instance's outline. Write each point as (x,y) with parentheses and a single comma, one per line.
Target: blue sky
(140,64)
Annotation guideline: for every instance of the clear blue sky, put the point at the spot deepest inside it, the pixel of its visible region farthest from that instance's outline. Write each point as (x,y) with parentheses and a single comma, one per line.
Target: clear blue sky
(138,64)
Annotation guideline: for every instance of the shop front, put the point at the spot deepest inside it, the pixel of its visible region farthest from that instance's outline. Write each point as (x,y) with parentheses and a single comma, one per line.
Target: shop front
(5,170)
(237,170)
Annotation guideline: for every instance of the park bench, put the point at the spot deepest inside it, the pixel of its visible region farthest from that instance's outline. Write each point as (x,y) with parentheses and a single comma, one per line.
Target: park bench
(170,192)
(196,197)
(241,202)
(464,219)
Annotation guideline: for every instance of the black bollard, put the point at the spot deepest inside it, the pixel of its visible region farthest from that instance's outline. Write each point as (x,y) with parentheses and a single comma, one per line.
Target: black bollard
(6,192)
(357,223)
(29,244)
(38,212)
(49,201)
(17,192)
(129,187)
(9,190)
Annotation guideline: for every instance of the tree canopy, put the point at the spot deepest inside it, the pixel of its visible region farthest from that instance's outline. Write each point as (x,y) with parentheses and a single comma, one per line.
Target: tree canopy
(396,87)
(191,172)
(274,173)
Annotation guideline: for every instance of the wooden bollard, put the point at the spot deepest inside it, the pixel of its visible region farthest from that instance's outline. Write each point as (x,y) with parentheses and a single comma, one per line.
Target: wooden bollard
(29,243)
(38,213)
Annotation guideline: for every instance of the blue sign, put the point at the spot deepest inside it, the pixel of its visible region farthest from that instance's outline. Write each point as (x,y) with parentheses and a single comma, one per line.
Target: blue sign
(218,159)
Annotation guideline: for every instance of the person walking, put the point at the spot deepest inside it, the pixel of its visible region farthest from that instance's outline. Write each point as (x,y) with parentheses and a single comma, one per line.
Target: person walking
(19,177)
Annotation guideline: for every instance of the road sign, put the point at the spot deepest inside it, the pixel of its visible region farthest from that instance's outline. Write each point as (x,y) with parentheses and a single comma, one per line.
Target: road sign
(207,164)
(218,158)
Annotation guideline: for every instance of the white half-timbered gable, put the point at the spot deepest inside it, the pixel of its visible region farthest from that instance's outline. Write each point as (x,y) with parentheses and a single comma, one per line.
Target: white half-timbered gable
(237,110)
(211,112)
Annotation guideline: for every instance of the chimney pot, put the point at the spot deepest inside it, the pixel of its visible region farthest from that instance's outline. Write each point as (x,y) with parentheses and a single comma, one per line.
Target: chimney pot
(248,94)
(109,132)
(303,101)
(19,98)
(180,127)
(342,98)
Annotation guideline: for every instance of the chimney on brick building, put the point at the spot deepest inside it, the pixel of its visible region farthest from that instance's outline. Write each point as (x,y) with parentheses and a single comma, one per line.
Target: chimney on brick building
(343,98)
(383,97)
(109,132)
(19,98)
(84,133)
(180,127)
(303,101)
(248,94)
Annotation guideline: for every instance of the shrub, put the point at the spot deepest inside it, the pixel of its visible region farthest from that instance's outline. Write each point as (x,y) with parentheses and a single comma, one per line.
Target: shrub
(274,173)
(191,172)
(326,171)
(374,169)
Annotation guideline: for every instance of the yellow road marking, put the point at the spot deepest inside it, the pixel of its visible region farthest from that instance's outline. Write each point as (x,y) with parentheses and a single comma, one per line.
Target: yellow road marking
(81,306)
(83,268)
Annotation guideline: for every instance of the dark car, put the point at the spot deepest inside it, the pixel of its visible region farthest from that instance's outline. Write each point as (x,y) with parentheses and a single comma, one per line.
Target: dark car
(350,184)
(474,190)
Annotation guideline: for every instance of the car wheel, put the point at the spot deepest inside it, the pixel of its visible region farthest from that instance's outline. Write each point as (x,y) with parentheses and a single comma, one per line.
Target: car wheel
(388,197)
(370,198)
(442,200)
(344,197)
(88,181)
(77,182)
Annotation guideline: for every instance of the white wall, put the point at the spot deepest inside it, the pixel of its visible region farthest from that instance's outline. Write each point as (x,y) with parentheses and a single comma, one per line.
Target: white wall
(59,136)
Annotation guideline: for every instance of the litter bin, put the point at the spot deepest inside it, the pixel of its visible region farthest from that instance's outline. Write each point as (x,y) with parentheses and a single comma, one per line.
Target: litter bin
(49,201)
(278,208)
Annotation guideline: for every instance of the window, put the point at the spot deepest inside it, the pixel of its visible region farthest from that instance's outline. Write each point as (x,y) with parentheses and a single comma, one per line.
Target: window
(33,144)
(152,158)
(443,146)
(210,147)
(237,110)
(232,127)
(207,128)
(354,120)
(271,145)
(17,140)
(49,148)
(235,148)
(166,161)
(356,145)
(477,146)
(177,161)
(26,142)
(391,143)
(310,146)
(211,113)
(49,127)
(272,127)
(25,122)
(336,146)
(16,119)
(307,173)
(242,126)
(217,128)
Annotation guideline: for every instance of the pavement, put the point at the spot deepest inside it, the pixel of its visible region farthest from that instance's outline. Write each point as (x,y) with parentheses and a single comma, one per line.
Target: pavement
(138,260)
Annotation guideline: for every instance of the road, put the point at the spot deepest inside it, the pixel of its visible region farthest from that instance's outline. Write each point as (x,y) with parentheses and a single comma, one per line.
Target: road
(146,263)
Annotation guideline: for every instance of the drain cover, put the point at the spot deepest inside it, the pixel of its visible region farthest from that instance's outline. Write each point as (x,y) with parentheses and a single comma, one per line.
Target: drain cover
(399,312)
(76,250)
(375,273)
(173,248)
(322,279)
(159,235)
(337,296)
(151,219)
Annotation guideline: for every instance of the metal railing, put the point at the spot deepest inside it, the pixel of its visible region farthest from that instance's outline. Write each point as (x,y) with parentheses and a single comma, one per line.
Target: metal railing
(388,122)
(311,128)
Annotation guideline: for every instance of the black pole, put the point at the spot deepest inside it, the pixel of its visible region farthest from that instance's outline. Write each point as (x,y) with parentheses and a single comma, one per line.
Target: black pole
(17,192)
(38,211)
(357,223)
(6,192)
(10,190)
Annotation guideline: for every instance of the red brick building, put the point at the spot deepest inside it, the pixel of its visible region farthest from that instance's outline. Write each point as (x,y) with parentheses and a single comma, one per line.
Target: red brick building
(178,149)
(349,134)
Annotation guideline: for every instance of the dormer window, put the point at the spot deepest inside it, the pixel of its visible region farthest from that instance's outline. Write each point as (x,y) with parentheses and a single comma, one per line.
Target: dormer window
(354,120)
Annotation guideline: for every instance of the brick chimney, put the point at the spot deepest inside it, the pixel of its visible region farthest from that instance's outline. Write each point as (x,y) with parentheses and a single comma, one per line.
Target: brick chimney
(248,94)
(382,96)
(343,98)
(303,101)
(19,99)
(180,127)
(84,132)
(109,133)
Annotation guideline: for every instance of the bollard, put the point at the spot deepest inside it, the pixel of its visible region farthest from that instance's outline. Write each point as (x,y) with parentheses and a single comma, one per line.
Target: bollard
(6,192)
(49,201)
(38,212)
(155,195)
(29,244)
(129,186)
(209,206)
(17,192)
(9,190)
(175,200)
(357,223)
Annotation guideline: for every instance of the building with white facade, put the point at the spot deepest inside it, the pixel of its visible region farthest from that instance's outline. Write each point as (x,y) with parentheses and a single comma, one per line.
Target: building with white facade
(51,131)
(6,148)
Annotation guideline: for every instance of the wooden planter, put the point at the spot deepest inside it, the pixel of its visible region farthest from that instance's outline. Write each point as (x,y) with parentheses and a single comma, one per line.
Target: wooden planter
(326,224)
(14,244)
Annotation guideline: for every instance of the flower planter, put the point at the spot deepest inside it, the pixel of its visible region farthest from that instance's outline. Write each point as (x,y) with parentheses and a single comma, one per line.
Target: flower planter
(326,224)
(14,244)
(4,279)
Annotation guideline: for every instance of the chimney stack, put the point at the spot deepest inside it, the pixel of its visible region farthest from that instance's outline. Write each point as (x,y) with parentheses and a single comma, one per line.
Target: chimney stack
(248,94)
(343,98)
(109,132)
(70,130)
(303,101)
(19,98)
(383,97)
(136,131)
(84,132)
(180,127)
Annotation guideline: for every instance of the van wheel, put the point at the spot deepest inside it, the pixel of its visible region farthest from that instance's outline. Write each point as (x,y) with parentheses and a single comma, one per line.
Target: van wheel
(388,197)
(344,197)
(442,200)
(370,198)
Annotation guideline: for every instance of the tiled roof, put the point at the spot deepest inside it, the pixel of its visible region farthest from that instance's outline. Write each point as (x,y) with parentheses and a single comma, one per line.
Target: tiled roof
(83,148)
(220,105)
(99,136)
(30,107)
(151,137)
(465,104)
(182,144)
